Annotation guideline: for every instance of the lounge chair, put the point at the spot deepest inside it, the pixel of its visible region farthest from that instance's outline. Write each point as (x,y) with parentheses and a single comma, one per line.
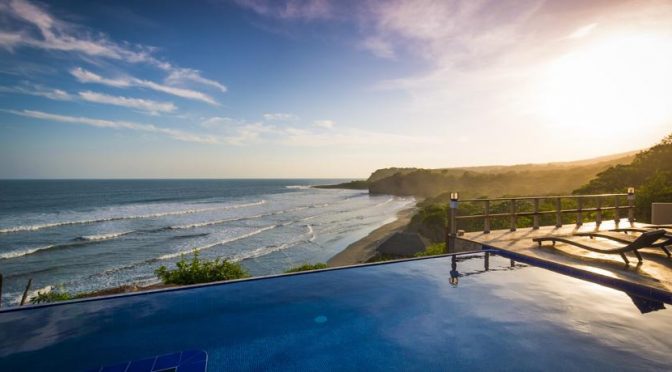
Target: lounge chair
(645,240)
(620,235)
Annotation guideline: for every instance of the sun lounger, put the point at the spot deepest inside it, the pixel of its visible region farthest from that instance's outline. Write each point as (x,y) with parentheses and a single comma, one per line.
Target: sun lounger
(619,235)
(645,240)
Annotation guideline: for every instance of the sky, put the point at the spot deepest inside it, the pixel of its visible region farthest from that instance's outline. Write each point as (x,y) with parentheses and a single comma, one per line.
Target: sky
(325,89)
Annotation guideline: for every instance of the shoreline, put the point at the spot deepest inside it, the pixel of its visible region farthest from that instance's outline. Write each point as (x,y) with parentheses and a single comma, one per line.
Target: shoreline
(358,252)
(364,249)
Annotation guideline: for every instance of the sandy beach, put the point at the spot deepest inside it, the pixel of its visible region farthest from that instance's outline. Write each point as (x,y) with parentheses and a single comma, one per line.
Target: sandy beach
(364,249)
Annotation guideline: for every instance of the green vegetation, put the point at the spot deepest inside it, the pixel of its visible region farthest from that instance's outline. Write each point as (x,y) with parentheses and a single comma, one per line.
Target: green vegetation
(353,185)
(198,271)
(51,296)
(650,173)
(433,250)
(307,267)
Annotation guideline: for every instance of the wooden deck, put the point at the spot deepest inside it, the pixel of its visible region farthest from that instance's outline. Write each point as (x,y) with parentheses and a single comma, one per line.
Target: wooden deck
(654,272)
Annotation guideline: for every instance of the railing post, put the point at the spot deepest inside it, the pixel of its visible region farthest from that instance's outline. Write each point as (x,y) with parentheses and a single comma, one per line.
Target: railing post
(486,221)
(558,212)
(0,290)
(598,213)
(513,215)
(450,241)
(579,211)
(535,218)
(631,205)
(486,261)
(617,212)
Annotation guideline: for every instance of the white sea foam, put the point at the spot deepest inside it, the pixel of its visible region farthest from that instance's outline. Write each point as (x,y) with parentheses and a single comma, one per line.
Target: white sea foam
(23,252)
(311,233)
(262,251)
(225,241)
(117,218)
(298,187)
(105,236)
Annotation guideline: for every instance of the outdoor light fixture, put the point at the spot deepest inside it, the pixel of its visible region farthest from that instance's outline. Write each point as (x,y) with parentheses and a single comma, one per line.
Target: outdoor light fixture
(454,197)
(631,193)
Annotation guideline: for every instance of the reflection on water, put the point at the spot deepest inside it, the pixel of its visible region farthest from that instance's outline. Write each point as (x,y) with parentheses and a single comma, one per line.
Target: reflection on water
(643,304)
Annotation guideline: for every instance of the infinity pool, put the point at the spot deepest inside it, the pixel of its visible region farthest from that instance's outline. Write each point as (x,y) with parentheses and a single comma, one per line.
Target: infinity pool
(398,316)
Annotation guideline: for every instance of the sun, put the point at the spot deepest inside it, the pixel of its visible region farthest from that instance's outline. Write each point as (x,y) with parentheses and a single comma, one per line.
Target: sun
(612,86)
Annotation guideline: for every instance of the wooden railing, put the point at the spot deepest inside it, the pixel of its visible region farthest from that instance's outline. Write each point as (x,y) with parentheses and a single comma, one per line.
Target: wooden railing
(602,203)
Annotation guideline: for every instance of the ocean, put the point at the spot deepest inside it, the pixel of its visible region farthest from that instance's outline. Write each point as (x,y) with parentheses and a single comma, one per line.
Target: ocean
(84,235)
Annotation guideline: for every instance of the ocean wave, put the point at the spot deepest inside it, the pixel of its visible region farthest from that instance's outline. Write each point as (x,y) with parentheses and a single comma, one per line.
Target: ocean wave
(215,222)
(311,233)
(263,251)
(225,241)
(106,236)
(388,201)
(23,252)
(298,187)
(118,218)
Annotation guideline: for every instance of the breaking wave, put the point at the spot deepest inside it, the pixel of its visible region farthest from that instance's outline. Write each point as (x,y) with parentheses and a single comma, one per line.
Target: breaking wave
(198,249)
(118,218)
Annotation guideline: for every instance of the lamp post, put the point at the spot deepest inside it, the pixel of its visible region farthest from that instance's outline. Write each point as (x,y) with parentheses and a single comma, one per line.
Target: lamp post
(631,205)
(452,228)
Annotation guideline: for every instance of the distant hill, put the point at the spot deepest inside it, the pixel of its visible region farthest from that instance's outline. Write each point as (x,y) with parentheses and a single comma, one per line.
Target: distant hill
(493,181)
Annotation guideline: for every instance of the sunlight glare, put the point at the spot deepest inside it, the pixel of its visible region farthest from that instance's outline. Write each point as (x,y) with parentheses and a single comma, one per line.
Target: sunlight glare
(613,86)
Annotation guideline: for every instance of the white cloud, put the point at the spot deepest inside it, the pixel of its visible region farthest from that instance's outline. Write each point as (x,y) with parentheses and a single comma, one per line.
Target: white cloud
(279,116)
(378,47)
(290,9)
(100,123)
(38,90)
(219,121)
(55,34)
(136,103)
(85,76)
(325,123)
(182,75)
(582,32)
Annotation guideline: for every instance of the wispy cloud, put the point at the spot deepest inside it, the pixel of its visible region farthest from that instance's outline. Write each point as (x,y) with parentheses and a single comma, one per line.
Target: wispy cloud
(290,9)
(181,75)
(85,76)
(112,124)
(40,91)
(150,106)
(378,47)
(582,31)
(325,123)
(50,33)
(280,116)
(136,103)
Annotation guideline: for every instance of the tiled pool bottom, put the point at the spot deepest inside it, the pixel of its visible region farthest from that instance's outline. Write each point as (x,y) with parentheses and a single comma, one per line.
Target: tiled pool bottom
(401,316)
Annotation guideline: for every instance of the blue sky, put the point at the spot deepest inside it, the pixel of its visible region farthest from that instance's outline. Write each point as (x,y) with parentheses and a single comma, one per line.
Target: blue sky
(317,88)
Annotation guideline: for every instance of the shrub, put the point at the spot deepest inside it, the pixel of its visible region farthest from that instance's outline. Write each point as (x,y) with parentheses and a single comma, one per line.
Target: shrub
(198,271)
(307,267)
(433,250)
(50,296)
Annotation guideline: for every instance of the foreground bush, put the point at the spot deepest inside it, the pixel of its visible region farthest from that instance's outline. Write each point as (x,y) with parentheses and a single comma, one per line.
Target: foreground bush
(307,267)
(198,271)
(50,296)
(433,250)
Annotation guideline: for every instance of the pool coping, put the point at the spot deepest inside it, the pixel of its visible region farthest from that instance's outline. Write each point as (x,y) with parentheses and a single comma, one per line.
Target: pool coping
(233,281)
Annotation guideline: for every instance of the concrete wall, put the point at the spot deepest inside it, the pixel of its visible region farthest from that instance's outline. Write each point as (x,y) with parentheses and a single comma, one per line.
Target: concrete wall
(661,213)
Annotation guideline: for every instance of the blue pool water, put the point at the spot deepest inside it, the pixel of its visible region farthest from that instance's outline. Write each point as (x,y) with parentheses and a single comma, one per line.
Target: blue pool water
(398,316)
(84,235)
